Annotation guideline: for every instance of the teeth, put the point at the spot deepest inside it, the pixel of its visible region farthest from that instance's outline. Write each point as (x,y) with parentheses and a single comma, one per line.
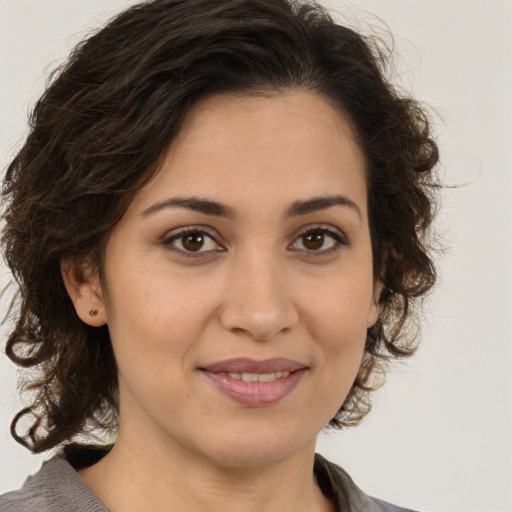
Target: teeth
(258,377)
(266,377)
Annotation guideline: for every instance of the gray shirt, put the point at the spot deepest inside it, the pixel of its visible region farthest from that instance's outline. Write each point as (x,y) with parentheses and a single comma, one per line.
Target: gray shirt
(56,487)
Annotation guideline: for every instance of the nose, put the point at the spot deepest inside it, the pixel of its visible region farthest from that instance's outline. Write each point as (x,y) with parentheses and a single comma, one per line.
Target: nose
(257,301)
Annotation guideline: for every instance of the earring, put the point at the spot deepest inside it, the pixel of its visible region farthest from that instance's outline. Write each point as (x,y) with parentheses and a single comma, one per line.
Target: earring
(93,312)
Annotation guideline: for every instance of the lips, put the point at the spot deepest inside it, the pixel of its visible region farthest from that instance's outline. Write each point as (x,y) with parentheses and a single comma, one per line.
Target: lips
(255,383)
(246,365)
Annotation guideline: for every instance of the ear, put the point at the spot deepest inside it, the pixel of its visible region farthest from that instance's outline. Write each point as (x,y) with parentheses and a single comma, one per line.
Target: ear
(374,312)
(84,289)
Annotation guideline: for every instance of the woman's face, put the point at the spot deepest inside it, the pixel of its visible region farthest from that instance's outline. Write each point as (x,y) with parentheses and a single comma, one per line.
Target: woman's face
(239,282)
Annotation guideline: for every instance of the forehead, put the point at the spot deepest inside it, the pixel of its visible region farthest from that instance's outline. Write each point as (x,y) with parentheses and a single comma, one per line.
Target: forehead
(274,149)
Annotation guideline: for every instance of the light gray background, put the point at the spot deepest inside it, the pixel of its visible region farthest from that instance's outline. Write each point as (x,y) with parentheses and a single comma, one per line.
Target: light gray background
(439,437)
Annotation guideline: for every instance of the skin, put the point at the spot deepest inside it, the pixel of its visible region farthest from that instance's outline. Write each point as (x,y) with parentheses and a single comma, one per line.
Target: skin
(258,288)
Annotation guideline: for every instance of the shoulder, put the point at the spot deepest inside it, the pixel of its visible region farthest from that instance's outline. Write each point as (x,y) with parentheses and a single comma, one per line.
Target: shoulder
(336,483)
(56,487)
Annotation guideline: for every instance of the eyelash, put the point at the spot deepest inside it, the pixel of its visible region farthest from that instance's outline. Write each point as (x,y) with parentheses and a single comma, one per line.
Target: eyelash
(340,241)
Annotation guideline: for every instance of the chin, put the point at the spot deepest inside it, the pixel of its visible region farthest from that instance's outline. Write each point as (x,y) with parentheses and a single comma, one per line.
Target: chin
(251,458)
(254,448)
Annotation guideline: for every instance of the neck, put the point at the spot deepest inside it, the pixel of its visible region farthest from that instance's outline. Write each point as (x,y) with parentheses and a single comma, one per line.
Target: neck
(137,475)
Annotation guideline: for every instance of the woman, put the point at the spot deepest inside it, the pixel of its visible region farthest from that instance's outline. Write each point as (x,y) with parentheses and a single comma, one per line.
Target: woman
(218,225)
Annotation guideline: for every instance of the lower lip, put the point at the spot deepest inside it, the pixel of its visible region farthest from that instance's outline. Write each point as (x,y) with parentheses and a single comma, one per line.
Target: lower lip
(255,394)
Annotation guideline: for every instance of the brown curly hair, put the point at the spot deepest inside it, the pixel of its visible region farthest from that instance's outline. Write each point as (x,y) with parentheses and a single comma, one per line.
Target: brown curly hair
(98,134)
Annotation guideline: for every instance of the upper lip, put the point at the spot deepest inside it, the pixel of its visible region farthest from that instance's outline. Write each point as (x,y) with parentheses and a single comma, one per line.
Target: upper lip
(247,365)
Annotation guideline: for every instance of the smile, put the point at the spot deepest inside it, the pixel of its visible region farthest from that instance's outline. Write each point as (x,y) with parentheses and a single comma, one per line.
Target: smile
(256,377)
(255,383)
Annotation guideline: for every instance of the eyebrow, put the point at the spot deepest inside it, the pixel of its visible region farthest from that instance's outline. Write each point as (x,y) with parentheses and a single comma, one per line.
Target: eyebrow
(321,203)
(194,203)
(209,207)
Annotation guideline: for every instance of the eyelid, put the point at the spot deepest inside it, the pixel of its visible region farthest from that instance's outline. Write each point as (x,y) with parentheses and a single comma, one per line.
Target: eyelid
(176,234)
(339,237)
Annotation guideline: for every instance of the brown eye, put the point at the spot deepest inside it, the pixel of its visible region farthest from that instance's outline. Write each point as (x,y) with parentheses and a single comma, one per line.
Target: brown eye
(320,241)
(192,242)
(313,241)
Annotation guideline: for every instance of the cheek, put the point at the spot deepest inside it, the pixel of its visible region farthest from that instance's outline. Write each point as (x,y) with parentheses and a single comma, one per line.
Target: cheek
(338,326)
(342,307)
(157,320)
(337,319)
(154,330)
